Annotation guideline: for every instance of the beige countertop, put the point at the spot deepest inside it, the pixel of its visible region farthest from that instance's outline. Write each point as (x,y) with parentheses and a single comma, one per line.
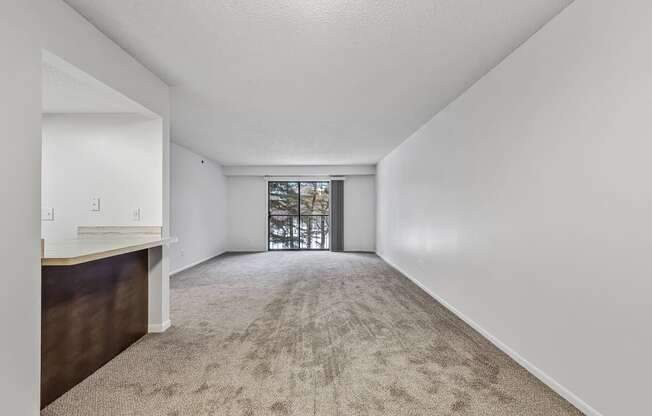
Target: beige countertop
(81,250)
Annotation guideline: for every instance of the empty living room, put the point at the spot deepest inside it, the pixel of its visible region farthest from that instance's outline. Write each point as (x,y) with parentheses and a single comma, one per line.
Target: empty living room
(326,207)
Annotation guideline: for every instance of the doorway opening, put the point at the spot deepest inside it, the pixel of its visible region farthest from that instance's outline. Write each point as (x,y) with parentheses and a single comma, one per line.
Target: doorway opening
(298,215)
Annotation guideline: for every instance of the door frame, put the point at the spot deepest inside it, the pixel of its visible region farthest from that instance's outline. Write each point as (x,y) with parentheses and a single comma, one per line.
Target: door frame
(267,212)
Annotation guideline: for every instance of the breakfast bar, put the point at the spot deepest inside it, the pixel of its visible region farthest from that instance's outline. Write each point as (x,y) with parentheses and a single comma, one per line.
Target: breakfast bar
(94,301)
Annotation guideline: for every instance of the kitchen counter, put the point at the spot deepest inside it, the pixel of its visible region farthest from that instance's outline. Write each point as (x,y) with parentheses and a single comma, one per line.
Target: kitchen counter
(94,301)
(81,250)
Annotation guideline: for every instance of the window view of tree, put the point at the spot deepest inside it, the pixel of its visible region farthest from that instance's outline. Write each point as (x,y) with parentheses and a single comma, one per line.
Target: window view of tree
(284,198)
(299,215)
(314,198)
(314,207)
(283,232)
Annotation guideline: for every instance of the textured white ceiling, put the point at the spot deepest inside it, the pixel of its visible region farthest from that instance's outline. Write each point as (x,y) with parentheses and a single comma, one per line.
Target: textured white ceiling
(313,81)
(64,92)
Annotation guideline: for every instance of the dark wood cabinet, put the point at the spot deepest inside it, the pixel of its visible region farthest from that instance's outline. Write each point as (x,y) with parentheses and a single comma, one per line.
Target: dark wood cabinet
(90,312)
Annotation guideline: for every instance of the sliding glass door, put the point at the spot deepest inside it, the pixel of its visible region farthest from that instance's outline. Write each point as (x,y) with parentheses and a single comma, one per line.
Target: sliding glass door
(298,217)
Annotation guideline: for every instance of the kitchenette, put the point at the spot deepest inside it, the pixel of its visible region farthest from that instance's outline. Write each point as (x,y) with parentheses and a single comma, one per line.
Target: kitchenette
(104,275)
(94,301)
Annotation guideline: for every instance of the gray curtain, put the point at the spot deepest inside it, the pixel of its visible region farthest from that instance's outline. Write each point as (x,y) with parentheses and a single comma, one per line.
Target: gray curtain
(337,215)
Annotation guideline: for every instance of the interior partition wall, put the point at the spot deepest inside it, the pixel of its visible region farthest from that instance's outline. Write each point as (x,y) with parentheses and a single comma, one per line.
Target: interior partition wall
(298,215)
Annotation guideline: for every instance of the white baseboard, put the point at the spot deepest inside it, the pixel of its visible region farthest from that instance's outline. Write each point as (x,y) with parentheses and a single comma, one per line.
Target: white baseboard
(157,328)
(193,264)
(538,373)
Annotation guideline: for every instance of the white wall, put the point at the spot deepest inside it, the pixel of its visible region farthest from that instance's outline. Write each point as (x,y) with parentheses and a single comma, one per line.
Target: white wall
(197,208)
(247,213)
(300,170)
(360,213)
(525,204)
(27,27)
(114,157)
(20,179)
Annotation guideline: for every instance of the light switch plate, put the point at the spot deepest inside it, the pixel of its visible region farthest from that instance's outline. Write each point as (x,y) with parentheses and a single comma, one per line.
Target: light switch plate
(135,215)
(47,214)
(95,204)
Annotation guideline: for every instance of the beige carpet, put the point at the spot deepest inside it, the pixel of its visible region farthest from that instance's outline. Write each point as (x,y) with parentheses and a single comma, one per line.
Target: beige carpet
(308,333)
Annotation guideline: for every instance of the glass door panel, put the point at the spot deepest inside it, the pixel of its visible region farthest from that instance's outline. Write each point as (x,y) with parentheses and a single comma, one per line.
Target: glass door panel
(284,198)
(299,215)
(283,232)
(314,232)
(314,198)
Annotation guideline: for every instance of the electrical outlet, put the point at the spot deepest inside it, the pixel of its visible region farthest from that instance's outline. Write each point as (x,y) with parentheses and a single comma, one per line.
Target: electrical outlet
(47,214)
(135,215)
(95,204)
